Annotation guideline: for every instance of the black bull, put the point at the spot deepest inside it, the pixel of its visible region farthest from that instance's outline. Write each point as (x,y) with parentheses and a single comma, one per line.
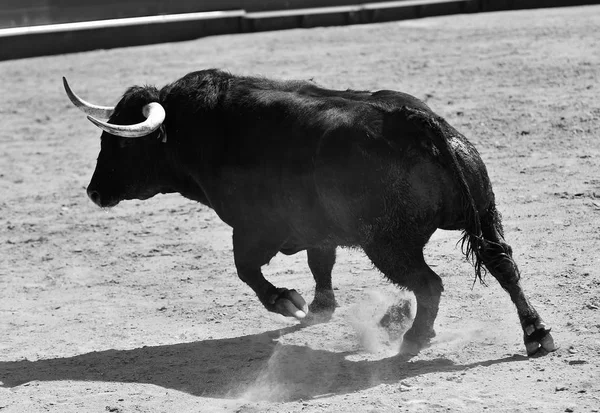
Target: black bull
(291,166)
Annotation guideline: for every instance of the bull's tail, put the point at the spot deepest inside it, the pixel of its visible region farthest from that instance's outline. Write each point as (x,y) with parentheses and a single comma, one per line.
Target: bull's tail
(438,130)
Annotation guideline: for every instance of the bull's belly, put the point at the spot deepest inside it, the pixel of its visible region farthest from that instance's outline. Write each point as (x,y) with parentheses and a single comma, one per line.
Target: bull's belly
(320,232)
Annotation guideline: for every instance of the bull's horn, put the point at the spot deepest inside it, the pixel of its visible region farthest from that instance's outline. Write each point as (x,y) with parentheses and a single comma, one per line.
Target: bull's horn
(86,107)
(154,113)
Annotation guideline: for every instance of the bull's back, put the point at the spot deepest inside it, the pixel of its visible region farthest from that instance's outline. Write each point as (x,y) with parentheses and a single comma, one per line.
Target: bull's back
(322,161)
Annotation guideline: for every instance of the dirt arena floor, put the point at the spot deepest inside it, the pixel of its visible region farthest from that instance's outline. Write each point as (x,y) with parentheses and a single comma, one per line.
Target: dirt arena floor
(139,309)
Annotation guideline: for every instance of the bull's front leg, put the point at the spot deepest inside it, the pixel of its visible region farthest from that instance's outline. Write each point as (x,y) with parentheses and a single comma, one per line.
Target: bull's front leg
(251,252)
(321,262)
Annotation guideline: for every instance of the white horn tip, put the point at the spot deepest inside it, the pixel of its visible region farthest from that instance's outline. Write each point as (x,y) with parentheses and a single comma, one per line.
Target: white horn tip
(86,107)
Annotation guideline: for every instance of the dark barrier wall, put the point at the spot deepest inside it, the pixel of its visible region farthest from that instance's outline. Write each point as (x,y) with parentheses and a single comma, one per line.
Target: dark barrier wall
(96,26)
(19,13)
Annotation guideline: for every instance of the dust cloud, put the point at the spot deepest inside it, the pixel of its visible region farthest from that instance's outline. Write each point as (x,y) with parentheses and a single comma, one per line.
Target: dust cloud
(365,318)
(296,372)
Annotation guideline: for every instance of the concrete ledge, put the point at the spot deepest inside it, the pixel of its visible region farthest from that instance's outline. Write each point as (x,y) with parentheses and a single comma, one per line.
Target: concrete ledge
(310,17)
(127,22)
(413,9)
(105,34)
(498,5)
(353,14)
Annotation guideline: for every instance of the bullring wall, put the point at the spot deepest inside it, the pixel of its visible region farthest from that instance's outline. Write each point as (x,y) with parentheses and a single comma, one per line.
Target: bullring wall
(20,13)
(43,27)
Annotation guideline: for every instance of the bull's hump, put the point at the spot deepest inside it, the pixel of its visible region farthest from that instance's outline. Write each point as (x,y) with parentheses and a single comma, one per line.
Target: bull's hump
(399,99)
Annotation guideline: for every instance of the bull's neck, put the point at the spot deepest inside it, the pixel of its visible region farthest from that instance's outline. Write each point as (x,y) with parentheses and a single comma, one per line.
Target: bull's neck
(184,173)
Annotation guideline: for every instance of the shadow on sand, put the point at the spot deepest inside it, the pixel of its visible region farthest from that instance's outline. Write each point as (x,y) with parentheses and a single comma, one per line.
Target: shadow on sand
(255,367)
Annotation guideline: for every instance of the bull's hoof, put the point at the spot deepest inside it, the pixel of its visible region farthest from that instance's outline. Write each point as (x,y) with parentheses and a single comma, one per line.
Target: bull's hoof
(415,340)
(324,303)
(289,304)
(412,348)
(321,309)
(538,340)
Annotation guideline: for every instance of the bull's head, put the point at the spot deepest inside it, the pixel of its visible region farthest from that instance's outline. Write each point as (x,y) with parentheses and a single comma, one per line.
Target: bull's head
(130,158)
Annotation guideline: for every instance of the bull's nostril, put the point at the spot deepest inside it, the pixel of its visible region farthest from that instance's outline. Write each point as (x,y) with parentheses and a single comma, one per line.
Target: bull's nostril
(94,196)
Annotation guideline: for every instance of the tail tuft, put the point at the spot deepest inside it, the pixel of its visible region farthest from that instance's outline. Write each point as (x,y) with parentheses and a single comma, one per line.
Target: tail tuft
(472,247)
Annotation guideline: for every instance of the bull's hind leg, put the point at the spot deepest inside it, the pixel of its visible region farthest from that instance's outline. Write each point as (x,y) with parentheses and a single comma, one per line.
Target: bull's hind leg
(496,255)
(427,287)
(320,262)
(406,267)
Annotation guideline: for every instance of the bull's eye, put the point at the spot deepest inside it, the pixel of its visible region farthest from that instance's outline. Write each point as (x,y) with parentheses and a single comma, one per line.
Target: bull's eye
(124,142)
(120,142)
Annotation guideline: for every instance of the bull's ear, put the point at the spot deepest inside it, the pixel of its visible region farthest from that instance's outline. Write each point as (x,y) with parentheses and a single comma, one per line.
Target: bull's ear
(162,133)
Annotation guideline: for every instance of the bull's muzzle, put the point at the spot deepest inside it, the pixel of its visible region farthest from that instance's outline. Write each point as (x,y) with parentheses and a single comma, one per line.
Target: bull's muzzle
(94,195)
(101,200)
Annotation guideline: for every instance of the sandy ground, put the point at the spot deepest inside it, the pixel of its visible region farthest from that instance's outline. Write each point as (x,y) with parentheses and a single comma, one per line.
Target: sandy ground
(139,309)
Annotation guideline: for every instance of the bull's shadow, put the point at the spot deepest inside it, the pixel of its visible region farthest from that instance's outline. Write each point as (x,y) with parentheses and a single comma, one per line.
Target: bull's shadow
(254,366)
